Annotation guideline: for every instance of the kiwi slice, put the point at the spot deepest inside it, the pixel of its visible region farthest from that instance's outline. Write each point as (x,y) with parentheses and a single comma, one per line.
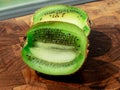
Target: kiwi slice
(55,48)
(63,13)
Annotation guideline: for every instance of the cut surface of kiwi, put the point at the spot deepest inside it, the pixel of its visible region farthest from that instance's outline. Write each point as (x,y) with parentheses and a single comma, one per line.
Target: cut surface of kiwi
(55,48)
(63,13)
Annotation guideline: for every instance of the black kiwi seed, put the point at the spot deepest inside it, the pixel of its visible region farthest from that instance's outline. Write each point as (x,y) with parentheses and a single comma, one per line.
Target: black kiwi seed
(78,45)
(40,19)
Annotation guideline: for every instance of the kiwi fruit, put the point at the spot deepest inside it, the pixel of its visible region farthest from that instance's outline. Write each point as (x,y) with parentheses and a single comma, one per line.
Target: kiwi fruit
(55,48)
(57,41)
(64,13)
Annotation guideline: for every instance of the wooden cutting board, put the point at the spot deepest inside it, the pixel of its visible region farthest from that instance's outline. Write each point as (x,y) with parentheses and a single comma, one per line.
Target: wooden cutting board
(100,71)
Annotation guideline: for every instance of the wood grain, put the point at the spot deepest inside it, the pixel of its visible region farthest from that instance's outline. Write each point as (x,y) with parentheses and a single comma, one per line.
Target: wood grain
(100,71)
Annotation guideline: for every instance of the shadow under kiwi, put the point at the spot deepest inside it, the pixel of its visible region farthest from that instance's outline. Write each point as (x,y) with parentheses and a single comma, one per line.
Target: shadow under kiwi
(99,42)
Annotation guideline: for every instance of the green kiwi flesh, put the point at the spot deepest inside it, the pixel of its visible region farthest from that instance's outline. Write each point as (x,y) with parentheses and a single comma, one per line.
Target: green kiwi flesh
(55,48)
(63,13)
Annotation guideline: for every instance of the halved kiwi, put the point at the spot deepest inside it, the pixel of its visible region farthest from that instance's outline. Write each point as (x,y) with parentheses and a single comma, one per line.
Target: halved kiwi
(63,13)
(55,48)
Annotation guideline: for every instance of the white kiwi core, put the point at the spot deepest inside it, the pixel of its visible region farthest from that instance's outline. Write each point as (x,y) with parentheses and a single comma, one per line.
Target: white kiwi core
(54,52)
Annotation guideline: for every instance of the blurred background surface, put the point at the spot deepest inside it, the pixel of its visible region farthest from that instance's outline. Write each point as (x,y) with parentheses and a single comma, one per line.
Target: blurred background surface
(15,8)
